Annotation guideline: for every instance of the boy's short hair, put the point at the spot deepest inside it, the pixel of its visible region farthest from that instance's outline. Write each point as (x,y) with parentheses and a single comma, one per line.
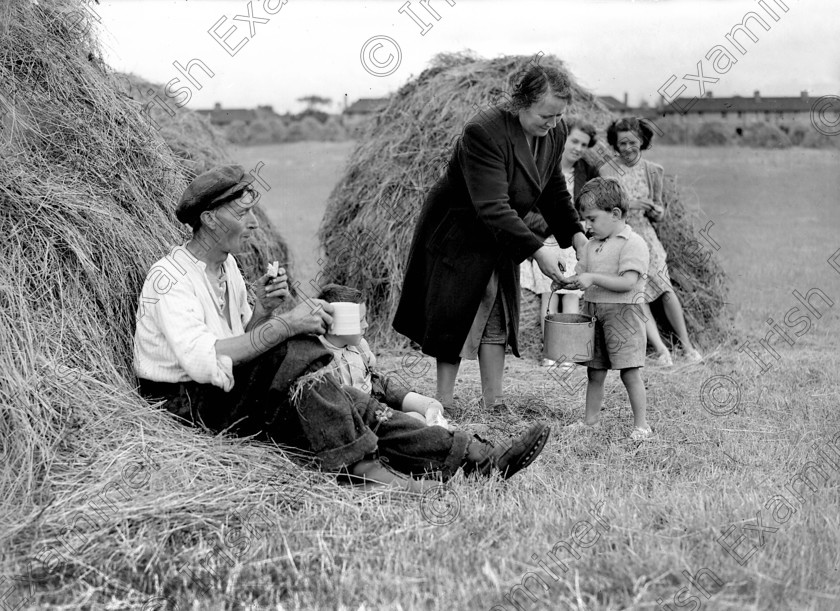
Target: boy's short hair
(332,293)
(603,194)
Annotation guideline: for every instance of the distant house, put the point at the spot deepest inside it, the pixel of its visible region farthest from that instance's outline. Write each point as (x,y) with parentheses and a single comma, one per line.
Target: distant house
(225,116)
(738,110)
(362,110)
(614,106)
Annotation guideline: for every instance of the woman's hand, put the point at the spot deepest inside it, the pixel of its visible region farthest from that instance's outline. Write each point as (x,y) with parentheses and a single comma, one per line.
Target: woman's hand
(549,264)
(271,292)
(641,204)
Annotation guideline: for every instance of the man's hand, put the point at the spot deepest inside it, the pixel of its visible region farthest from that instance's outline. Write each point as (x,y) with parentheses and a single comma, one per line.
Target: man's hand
(311,316)
(549,263)
(271,292)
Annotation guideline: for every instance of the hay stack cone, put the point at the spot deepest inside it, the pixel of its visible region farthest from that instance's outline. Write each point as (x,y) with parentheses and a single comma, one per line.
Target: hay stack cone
(102,498)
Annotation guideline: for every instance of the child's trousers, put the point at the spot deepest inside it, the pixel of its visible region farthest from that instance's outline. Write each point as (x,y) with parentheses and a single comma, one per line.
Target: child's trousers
(334,422)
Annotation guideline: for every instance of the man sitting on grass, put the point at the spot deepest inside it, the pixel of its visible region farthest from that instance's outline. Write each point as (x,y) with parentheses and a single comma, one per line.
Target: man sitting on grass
(201,350)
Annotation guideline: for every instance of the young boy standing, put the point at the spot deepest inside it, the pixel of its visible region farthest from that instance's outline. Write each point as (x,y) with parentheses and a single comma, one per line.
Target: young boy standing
(611,271)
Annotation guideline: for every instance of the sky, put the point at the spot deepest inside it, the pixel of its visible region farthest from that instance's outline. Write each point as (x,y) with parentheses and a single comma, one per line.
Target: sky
(280,50)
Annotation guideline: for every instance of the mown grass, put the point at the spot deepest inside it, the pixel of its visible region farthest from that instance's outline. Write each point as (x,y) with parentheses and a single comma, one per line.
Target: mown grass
(313,544)
(668,501)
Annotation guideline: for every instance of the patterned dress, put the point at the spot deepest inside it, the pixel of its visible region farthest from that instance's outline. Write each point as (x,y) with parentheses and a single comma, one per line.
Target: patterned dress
(634,181)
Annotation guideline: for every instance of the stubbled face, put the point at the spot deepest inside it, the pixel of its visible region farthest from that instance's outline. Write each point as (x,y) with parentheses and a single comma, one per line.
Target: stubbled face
(629,147)
(600,224)
(576,144)
(235,223)
(542,116)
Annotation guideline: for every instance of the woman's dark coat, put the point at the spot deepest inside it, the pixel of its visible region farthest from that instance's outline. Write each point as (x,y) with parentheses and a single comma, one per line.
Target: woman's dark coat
(583,174)
(471,224)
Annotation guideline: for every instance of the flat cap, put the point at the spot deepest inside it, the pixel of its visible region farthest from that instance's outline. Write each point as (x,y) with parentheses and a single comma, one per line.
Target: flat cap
(210,190)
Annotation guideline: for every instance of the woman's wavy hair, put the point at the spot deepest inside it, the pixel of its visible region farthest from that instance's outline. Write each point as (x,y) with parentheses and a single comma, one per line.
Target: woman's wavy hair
(533,82)
(640,127)
(586,127)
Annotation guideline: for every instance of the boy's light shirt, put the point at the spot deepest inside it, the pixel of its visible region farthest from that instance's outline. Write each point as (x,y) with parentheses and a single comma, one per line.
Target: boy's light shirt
(353,364)
(623,252)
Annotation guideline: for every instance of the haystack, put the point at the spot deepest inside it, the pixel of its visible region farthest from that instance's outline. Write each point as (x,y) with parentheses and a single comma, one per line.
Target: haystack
(366,231)
(367,228)
(101,497)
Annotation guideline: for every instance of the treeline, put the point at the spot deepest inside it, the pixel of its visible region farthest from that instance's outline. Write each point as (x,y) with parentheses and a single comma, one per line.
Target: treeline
(754,135)
(270,128)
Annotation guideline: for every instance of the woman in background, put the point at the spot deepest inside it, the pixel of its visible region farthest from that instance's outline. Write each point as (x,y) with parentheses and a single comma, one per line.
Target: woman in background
(576,172)
(642,179)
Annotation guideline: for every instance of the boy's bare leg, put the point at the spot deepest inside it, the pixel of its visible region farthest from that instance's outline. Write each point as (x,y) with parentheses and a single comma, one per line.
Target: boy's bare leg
(376,475)
(632,378)
(446,376)
(594,394)
(491,365)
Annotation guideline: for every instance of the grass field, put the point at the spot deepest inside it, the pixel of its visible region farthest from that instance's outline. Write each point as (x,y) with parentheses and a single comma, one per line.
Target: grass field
(733,505)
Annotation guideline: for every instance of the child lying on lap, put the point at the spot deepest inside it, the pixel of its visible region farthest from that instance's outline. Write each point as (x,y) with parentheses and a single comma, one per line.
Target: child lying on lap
(354,364)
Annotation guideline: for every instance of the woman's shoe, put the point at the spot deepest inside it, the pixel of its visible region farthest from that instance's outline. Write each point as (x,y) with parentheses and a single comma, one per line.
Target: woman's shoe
(662,359)
(641,434)
(579,426)
(691,356)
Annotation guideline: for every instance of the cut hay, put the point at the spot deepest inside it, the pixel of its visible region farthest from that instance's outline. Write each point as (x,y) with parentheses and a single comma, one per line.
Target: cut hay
(695,270)
(199,146)
(370,218)
(103,500)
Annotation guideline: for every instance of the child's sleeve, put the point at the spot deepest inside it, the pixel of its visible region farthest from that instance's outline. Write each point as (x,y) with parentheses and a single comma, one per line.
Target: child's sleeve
(634,257)
(388,390)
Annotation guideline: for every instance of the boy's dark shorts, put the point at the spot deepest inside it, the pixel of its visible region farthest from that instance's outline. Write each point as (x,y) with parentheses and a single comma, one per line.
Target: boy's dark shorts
(620,338)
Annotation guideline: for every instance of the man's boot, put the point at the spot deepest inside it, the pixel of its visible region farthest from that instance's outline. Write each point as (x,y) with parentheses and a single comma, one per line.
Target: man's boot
(509,456)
